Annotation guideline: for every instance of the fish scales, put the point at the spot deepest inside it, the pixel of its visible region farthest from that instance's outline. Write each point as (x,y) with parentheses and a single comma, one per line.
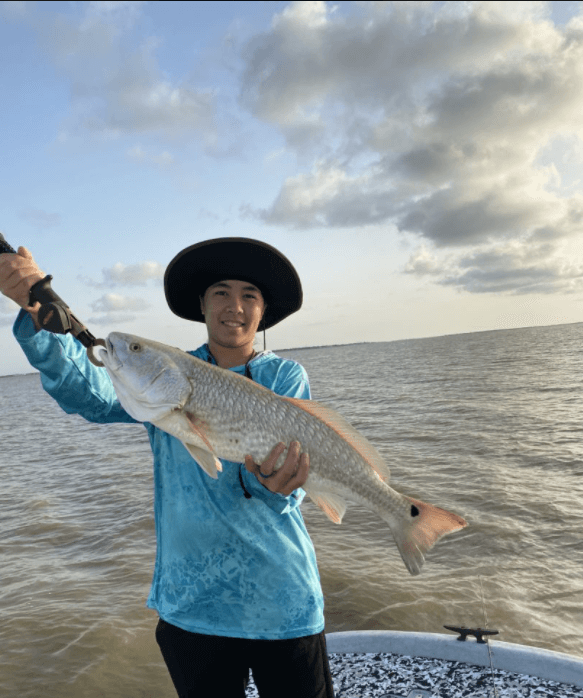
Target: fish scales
(218,414)
(256,420)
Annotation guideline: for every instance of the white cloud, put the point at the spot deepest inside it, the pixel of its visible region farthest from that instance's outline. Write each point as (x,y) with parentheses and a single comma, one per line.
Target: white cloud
(163,160)
(128,275)
(117,86)
(439,120)
(519,267)
(303,15)
(115,302)
(327,196)
(502,271)
(111,319)
(423,263)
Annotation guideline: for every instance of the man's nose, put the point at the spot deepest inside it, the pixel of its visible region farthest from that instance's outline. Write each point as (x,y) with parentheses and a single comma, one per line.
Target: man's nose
(235,304)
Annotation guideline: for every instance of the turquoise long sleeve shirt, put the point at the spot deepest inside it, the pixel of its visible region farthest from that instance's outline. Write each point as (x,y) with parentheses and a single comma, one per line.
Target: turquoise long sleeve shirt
(225,564)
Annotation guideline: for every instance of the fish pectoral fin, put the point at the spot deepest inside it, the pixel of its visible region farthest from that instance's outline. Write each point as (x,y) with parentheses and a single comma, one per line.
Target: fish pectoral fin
(204,455)
(343,428)
(191,433)
(207,461)
(329,502)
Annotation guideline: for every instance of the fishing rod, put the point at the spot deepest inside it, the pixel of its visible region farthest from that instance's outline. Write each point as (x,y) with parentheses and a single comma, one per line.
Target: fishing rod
(54,314)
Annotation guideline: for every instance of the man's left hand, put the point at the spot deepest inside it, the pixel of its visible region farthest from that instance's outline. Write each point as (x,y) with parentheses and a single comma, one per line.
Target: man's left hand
(292,474)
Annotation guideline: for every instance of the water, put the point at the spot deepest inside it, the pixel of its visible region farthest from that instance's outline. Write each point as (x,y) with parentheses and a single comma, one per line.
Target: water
(487,425)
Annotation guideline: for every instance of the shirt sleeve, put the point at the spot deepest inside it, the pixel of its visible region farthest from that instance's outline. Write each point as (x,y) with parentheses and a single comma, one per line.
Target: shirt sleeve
(67,375)
(291,381)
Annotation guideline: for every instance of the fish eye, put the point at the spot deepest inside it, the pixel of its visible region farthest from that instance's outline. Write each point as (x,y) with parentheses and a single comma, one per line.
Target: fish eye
(134,346)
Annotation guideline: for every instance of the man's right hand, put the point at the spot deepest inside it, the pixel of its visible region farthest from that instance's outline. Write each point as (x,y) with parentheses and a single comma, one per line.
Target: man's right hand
(18,273)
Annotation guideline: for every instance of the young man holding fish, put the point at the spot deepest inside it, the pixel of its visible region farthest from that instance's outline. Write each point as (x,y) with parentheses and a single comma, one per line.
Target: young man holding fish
(235,583)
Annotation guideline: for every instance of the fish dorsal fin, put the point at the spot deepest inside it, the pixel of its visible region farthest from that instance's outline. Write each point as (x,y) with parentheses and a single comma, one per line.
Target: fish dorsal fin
(191,433)
(330,503)
(344,429)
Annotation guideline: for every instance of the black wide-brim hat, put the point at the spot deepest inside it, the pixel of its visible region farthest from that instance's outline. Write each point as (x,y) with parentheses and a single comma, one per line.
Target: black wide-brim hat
(199,266)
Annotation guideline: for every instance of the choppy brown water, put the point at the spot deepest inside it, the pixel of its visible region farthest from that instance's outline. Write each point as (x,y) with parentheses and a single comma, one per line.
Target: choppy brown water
(487,425)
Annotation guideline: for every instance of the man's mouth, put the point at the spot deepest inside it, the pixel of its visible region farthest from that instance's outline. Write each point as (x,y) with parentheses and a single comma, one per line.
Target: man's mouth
(231,323)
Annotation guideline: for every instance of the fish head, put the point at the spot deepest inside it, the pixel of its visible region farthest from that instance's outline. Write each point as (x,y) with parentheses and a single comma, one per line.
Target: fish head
(147,379)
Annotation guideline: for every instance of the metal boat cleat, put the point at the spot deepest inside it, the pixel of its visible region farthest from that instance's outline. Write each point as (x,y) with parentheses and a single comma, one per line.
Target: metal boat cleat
(478,633)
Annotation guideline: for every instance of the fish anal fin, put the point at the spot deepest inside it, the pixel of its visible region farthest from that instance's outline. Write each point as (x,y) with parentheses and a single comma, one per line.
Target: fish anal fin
(330,503)
(343,428)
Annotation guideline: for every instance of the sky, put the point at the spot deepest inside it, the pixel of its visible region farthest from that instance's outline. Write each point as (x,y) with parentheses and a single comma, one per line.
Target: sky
(418,162)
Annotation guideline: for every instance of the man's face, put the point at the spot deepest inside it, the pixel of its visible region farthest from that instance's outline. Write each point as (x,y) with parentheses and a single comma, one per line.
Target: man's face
(232,311)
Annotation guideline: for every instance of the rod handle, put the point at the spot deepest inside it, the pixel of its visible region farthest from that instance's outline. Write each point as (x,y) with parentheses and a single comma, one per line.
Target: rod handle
(5,247)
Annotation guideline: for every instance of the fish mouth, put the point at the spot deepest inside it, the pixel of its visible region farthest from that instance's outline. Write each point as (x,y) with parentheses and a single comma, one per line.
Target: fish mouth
(109,356)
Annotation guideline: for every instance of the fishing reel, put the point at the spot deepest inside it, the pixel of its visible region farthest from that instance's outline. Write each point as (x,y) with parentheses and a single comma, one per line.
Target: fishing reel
(54,314)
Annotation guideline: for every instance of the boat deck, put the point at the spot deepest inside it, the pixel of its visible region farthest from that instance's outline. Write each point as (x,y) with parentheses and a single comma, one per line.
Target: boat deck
(385,664)
(387,675)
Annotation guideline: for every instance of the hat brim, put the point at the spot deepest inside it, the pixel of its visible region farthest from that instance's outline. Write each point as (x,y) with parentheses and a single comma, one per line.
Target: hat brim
(195,268)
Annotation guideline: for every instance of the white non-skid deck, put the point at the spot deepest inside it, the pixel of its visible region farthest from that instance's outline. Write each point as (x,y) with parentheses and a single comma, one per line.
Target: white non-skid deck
(390,663)
(386,664)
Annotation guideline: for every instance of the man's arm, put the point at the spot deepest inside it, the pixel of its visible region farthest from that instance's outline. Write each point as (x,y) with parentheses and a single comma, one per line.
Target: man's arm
(67,375)
(66,372)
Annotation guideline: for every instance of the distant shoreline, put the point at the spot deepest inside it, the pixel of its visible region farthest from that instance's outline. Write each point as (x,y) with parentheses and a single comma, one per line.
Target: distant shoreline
(385,341)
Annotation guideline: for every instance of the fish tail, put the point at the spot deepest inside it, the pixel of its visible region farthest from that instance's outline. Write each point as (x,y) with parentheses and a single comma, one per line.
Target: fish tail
(418,531)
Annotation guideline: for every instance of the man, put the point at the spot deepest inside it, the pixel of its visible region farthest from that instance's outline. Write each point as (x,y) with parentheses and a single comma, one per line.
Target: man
(235,582)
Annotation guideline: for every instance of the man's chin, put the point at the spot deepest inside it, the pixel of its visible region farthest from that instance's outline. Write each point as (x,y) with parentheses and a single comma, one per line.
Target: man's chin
(233,342)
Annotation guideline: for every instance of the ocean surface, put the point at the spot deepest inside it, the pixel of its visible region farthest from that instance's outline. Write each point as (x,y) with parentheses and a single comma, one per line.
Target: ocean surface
(488,425)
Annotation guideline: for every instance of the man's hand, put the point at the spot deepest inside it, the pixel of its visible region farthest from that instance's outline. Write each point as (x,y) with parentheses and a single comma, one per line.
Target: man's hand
(18,273)
(292,474)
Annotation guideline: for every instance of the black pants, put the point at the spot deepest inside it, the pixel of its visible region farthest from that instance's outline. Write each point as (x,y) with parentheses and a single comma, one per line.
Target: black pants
(208,666)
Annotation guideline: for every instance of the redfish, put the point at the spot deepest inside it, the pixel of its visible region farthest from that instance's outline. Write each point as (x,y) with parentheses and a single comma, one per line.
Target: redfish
(217,414)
